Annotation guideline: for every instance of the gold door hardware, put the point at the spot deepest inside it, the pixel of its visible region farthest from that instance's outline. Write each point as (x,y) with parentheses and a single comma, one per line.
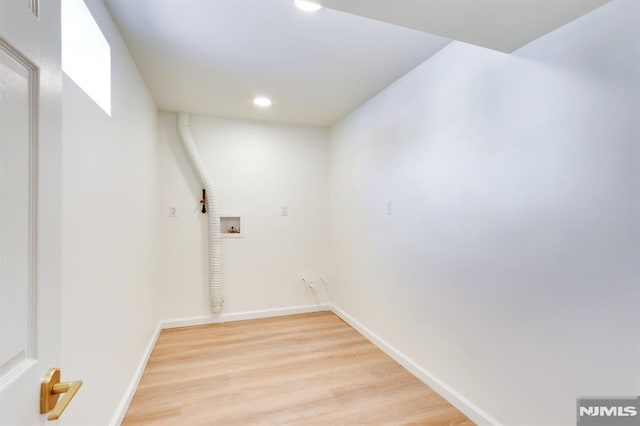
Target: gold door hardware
(50,390)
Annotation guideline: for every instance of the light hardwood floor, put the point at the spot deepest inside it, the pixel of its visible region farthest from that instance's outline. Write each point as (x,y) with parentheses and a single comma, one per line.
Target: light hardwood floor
(299,369)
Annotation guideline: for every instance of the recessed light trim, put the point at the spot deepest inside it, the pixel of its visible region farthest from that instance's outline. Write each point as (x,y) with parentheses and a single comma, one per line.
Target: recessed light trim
(262,102)
(308,5)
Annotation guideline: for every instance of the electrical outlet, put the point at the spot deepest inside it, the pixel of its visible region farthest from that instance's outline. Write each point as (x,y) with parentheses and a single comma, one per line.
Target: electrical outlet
(284,211)
(173,211)
(389,207)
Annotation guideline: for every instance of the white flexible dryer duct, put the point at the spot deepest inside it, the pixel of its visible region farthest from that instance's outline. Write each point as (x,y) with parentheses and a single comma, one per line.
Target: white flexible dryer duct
(215,246)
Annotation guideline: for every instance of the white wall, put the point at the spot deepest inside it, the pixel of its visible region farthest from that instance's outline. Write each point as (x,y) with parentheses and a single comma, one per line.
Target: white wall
(110,211)
(257,168)
(509,267)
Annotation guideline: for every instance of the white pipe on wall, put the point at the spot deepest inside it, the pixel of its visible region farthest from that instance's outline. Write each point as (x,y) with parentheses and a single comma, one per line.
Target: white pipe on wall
(215,245)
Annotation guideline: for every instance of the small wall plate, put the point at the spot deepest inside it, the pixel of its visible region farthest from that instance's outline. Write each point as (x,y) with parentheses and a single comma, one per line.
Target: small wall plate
(231,226)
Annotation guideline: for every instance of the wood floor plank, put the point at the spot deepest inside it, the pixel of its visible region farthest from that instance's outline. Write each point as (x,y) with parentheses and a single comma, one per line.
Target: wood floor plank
(293,370)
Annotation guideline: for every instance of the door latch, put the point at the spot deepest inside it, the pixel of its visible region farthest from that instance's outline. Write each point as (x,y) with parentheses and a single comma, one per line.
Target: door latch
(50,390)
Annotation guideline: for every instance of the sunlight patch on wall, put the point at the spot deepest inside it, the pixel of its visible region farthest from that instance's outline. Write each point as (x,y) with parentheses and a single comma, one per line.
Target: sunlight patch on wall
(86,54)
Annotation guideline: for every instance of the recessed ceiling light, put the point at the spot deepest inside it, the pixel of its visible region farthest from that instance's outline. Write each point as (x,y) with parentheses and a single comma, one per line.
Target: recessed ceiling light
(262,102)
(308,5)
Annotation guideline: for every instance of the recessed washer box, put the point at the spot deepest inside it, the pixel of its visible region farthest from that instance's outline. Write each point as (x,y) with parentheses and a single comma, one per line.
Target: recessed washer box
(231,226)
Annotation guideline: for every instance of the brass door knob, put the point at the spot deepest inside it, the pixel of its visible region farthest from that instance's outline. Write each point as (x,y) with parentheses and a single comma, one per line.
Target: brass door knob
(50,390)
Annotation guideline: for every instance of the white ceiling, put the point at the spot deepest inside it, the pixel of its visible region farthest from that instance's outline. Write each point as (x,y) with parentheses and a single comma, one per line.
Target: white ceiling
(214,56)
(503,25)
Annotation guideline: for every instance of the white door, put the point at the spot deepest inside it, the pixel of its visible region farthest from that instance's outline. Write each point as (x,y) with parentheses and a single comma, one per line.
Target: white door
(30,205)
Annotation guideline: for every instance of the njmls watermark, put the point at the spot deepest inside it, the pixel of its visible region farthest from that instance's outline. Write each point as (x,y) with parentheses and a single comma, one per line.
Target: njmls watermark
(609,411)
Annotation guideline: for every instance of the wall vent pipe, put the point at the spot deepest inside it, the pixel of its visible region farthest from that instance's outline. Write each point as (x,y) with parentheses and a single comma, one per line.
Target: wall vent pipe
(215,245)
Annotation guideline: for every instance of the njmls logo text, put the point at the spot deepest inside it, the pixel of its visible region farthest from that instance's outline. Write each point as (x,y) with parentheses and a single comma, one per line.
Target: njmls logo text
(605,411)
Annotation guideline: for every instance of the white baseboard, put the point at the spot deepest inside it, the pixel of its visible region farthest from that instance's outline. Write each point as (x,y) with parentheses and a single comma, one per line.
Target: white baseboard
(121,411)
(240,316)
(469,409)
